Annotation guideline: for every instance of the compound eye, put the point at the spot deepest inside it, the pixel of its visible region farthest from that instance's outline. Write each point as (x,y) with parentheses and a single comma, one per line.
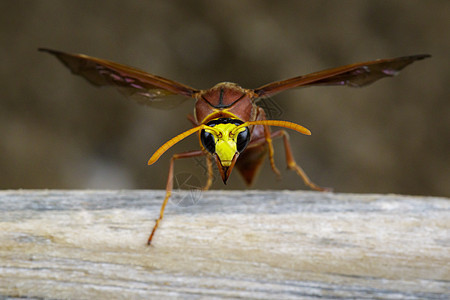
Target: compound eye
(242,140)
(208,141)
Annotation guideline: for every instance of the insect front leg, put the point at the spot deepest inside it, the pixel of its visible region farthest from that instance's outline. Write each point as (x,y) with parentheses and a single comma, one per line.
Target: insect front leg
(169,186)
(268,140)
(292,164)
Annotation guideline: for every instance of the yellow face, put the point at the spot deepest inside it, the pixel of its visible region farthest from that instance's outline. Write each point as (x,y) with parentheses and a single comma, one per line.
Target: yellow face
(226,140)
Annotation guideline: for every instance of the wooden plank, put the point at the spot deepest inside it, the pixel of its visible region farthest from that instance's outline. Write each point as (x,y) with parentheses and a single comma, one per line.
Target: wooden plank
(223,244)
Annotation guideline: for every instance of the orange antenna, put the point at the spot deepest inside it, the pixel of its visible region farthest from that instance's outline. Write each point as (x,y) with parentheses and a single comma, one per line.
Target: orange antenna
(172,142)
(278,123)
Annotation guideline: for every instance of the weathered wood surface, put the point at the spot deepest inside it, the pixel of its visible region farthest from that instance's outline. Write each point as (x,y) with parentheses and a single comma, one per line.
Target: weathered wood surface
(240,244)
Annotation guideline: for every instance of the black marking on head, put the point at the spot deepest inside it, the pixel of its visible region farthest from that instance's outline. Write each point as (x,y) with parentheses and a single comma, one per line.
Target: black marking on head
(215,122)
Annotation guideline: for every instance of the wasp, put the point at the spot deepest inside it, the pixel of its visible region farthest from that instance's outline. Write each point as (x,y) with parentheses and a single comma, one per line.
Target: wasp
(231,127)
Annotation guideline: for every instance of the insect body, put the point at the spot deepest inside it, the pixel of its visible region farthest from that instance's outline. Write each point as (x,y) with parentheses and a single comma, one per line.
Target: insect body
(233,130)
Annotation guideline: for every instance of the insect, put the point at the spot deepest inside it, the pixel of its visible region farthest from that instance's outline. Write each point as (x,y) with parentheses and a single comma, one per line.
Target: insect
(232,129)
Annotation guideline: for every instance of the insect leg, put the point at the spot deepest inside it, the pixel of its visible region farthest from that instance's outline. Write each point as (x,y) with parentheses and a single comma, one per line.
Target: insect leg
(268,140)
(169,186)
(289,157)
(292,164)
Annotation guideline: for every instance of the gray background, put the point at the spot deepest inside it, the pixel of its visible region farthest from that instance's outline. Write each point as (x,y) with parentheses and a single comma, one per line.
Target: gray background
(57,131)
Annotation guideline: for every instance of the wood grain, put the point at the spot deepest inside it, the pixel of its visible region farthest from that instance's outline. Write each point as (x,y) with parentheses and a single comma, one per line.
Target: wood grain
(222,244)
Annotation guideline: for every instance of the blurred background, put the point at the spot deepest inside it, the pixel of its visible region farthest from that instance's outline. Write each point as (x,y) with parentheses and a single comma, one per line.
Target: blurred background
(58,131)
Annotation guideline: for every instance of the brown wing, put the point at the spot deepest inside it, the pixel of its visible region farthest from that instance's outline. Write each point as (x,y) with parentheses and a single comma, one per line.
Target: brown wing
(139,85)
(354,75)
